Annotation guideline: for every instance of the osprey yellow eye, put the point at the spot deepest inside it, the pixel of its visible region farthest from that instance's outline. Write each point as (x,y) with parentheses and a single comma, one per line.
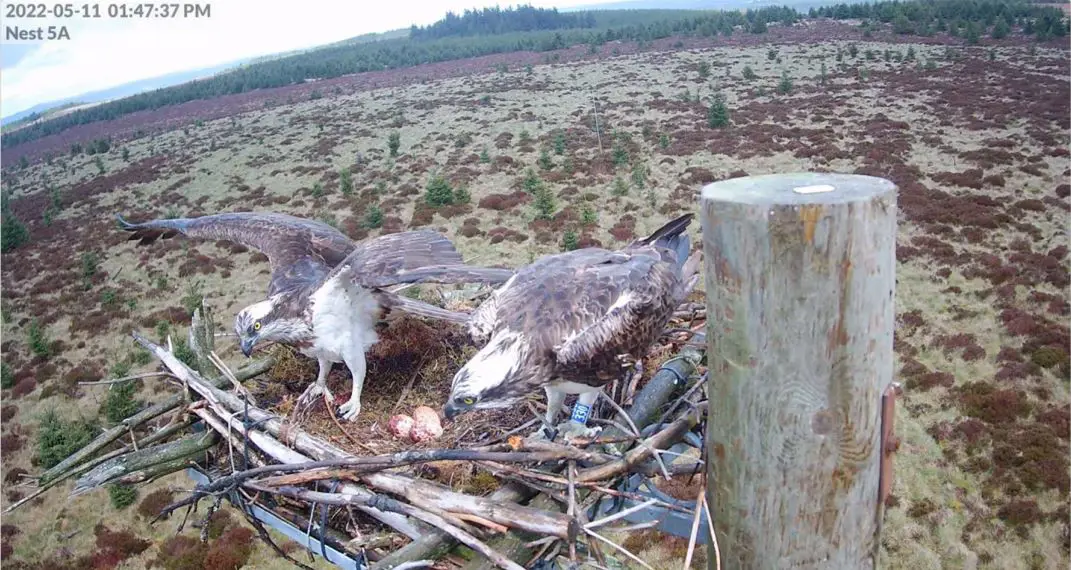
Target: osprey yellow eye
(468,401)
(256,326)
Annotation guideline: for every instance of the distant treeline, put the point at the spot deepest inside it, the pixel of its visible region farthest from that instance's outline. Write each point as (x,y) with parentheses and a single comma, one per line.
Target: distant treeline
(403,52)
(457,42)
(1044,21)
(495,20)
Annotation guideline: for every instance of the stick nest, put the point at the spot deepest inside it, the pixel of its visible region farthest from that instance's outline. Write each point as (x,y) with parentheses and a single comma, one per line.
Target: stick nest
(410,351)
(411,365)
(422,356)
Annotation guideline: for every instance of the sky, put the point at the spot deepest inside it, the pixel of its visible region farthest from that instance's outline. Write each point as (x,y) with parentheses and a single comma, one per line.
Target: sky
(107,52)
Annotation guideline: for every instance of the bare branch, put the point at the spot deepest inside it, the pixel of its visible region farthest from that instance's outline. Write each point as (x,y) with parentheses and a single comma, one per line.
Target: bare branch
(128,378)
(617,547)
(391,505)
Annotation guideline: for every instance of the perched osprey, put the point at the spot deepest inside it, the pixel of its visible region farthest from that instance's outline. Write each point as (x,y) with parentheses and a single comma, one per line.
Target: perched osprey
(326,293)
(564,323)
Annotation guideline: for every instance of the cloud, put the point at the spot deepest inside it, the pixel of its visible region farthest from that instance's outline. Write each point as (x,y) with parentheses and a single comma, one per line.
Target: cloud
(104,53)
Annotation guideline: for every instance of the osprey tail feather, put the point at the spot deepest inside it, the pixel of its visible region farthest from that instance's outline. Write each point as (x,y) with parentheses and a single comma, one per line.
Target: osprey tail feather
(671,236)
(421,309)
(148,232)
(446,274)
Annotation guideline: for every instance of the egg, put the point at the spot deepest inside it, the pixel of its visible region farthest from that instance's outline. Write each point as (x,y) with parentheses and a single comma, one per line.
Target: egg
(400,425)
(426,425)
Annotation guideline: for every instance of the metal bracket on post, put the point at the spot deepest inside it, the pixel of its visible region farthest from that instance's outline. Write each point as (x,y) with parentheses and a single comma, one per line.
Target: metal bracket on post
(890,442)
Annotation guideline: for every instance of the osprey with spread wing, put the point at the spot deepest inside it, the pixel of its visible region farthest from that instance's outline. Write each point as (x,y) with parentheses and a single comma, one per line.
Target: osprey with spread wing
(564,322)
(326,292)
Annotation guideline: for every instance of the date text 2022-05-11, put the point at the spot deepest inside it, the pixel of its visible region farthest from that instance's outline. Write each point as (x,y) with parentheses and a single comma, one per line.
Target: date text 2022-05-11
(35,22)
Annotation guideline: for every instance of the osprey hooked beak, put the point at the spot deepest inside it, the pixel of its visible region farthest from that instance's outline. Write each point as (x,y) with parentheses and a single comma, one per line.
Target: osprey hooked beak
(247,345)
(458,405)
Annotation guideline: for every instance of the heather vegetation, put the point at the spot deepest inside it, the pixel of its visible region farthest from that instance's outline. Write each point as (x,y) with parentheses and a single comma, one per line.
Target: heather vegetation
(592,142)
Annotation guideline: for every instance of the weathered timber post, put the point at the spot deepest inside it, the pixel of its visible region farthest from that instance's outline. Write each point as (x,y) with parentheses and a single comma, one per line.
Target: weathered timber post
(800,277)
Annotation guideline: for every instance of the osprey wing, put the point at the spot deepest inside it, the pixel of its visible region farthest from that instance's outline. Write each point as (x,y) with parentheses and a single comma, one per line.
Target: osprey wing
(588,306)
(646,290)
(557,296)
(484,320)
(422,309)
(420,256)
(537,294)
(301,251)
(646,294)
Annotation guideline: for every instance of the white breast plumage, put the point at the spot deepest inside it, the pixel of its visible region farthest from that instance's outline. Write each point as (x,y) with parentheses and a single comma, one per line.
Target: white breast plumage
(343,314)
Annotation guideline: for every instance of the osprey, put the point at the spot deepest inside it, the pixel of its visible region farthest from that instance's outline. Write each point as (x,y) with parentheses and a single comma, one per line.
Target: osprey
(326,293)
(566,322)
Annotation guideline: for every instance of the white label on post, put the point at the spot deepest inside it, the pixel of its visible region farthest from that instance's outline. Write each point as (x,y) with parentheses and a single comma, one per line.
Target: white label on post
(816,189)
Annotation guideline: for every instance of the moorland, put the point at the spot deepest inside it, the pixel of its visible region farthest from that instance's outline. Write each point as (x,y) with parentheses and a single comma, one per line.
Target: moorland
(526,142)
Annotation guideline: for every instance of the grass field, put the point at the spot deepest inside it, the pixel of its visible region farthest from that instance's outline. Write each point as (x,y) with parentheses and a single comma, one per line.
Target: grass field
(976,138)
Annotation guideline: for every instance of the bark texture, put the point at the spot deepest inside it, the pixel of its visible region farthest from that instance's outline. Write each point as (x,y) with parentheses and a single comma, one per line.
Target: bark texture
(800,278)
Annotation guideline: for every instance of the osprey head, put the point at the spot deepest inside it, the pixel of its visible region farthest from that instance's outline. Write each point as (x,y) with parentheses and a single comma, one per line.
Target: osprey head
(496,377)
(260,321)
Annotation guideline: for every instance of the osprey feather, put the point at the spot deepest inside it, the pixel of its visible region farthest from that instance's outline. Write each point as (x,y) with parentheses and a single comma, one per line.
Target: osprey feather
(326,295)
(564,322)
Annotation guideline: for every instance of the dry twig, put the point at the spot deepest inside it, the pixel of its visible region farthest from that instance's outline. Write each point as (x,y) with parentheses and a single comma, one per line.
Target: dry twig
(409,386)
(128,378)
(617,547)
(695,530)
(713,535)
(391,505)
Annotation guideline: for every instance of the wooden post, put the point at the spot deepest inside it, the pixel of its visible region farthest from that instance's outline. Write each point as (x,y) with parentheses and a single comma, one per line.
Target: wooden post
(800,277)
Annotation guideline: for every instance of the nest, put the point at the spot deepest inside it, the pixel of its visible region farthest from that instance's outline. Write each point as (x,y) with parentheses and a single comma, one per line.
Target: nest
(411,365)
(383,501)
